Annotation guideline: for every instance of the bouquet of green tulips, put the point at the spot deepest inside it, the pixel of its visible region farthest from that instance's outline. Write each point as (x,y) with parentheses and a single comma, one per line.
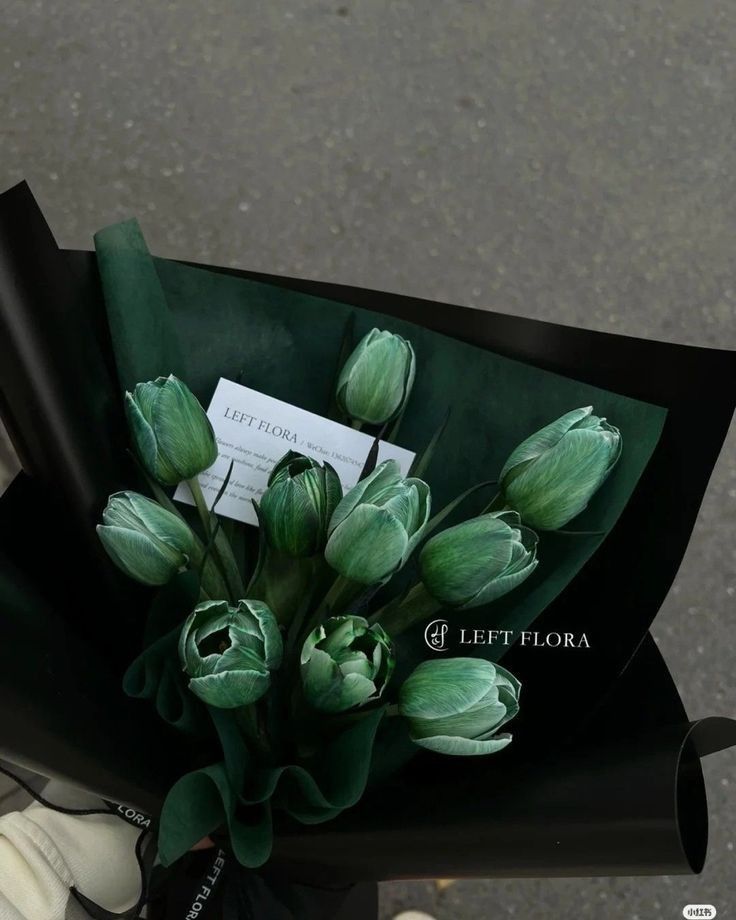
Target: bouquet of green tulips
(284,659)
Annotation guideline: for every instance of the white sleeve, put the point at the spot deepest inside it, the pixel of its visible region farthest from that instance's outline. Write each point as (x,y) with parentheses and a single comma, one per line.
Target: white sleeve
(44,853)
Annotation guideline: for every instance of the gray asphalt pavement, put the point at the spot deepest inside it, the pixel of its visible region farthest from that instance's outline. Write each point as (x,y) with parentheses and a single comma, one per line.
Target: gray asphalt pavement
(572,161)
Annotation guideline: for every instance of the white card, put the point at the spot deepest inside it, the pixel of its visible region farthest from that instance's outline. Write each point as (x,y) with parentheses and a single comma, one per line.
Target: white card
(254,431)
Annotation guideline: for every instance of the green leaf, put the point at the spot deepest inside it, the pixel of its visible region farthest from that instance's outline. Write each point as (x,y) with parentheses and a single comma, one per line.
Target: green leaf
(423,459)
(435,521)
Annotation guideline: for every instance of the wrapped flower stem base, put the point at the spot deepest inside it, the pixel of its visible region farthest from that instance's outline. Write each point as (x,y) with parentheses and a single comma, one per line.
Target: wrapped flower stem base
(364,754)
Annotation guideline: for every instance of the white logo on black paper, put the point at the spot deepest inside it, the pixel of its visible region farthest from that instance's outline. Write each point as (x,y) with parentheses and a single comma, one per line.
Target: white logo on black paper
(435,635)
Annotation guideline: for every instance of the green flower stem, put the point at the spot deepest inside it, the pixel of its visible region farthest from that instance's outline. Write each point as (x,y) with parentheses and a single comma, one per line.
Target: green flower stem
(221,550)
(228,564)
(293,647)
(341,593)
(495,504)
(394,431)
(435,521)
(418,605)
(247,718)
(284,582)
(204,512)
(342,720)
(212,584)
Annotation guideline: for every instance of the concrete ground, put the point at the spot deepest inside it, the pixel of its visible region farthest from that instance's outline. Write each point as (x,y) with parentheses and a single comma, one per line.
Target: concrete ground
(549,158)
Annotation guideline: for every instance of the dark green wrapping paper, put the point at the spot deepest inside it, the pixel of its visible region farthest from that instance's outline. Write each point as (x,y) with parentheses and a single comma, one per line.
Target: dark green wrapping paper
(286,344)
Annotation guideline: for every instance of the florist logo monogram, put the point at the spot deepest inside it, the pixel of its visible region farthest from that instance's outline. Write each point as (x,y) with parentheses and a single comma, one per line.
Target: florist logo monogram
(435,634)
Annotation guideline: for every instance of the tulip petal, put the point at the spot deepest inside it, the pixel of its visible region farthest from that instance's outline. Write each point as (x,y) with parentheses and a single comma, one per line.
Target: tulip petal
(238,658)
(356,690)
(506,681)
(273,644)
(333,491)
(463,747)
(353,662)
(459,562)
(290,465)
(147,561)
(368,546)
(140,408)
(184,435)
(141,433)
(291,517)
(321,680)
(500,586)
(541,441)
(559,485)
(384,475)
(404,505)
(444,687)
(345,663)
(146,394)
(479,721)
(341,632)
(231,689)
(376,379)
(139,512)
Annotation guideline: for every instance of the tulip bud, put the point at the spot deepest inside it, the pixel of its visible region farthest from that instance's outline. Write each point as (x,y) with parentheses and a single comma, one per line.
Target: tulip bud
(171,432)
(550,478)
(149,543)
(456,705)
(298,504)
(376,526)
(479,560)
(345,664)
(376,380)
(229,652)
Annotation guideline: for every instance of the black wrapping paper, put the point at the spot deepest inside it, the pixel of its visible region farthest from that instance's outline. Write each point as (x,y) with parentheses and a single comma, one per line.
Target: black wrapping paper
(619,791)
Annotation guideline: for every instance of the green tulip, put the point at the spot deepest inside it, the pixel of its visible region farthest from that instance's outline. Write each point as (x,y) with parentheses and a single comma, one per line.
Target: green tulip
(149,543)
(346,663)
(457,705)
(297,505)
(550,478)
(229,652)
(171,432)
(376,380)
(479,560)
(376,526)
